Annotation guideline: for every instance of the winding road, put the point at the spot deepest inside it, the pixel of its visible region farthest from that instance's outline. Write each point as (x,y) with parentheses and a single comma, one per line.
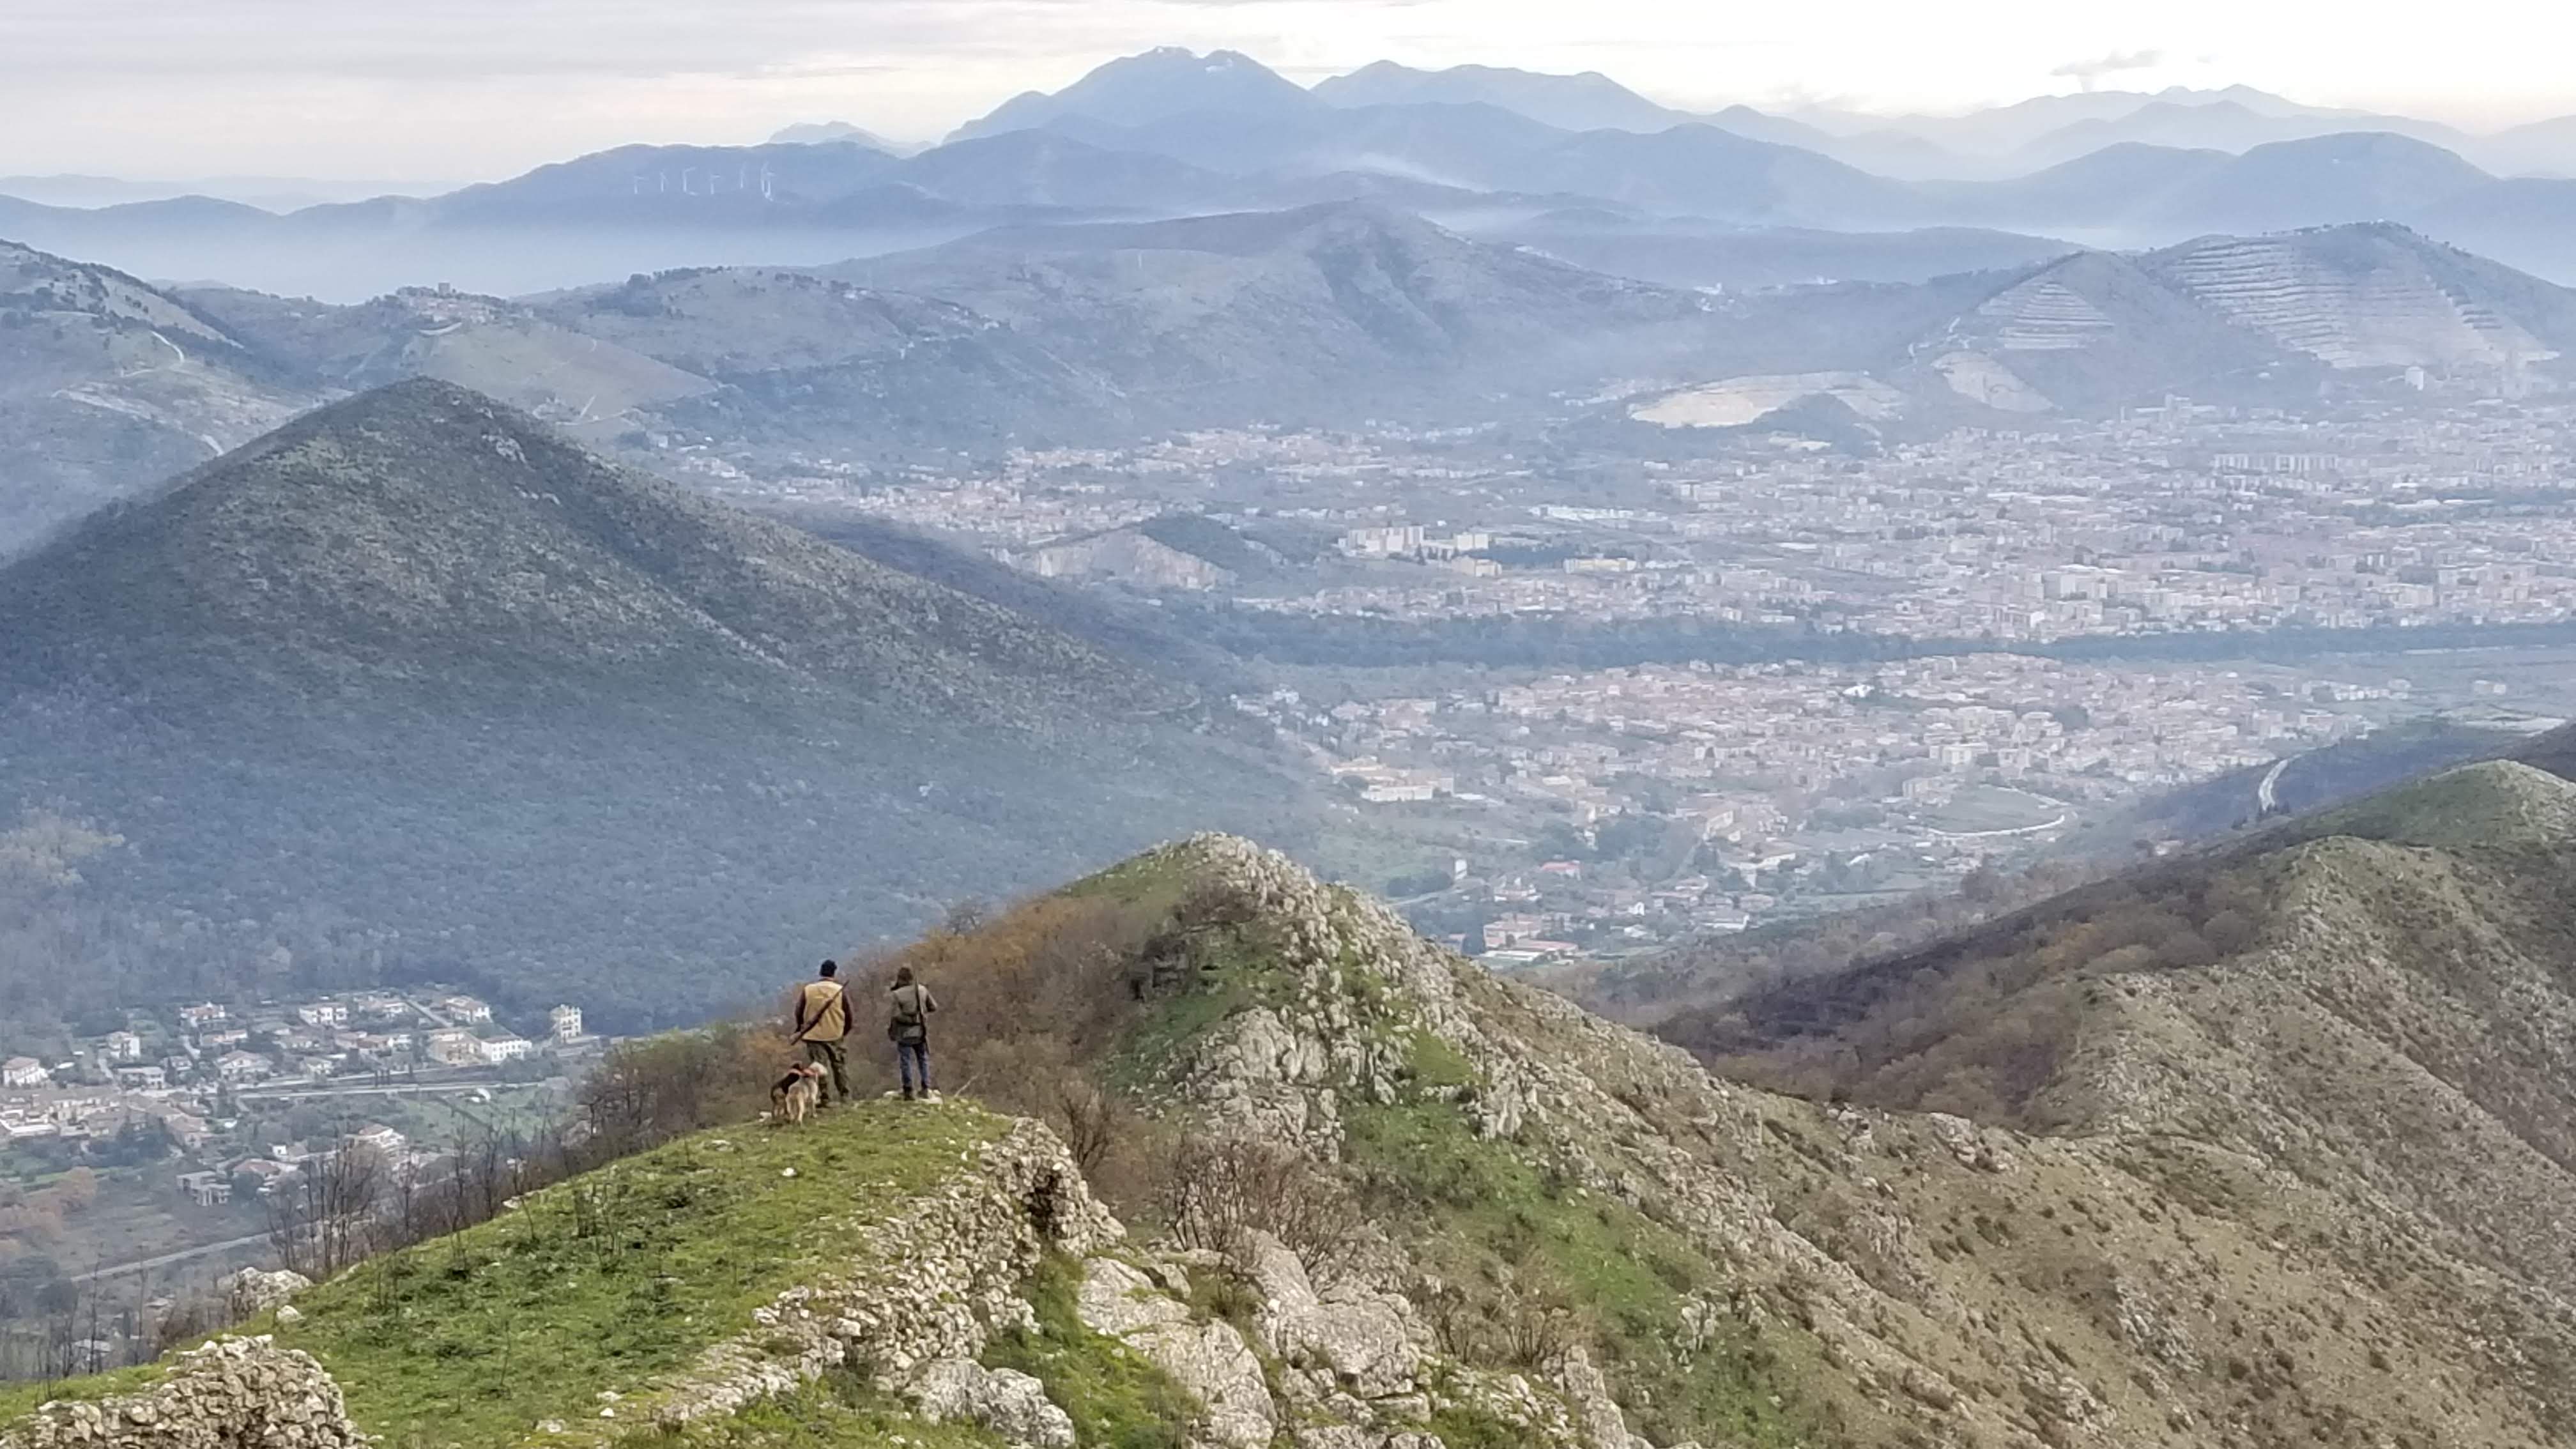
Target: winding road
(2267,798)
(145,1265)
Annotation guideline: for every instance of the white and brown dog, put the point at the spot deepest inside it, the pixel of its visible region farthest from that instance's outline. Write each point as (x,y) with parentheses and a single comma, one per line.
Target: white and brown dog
(798,1094)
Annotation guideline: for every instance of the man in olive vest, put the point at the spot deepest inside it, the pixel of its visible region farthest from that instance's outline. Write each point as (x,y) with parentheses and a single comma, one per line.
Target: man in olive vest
(822,1020)
(908,1027)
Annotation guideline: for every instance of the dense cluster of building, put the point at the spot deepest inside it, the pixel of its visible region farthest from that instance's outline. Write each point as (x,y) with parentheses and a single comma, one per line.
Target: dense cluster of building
(185,1072)
(2169,519)
(1791,776)
(2150,525)
(2370,520)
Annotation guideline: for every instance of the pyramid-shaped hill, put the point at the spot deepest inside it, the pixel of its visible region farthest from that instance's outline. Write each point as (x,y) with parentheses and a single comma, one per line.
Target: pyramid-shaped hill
(418,665)
(423,534)
(2373,295)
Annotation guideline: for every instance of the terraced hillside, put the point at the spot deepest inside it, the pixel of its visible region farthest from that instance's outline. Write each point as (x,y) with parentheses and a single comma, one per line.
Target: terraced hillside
(2248,320)
(2084,332)
(2374,296)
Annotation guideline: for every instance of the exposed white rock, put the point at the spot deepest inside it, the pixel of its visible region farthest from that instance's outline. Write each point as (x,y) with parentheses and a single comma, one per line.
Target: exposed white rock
(1363,1339)
(254,1291)
(936,1282)
(1006,1401)
(1587,1393)
(234,1393)
(1211,1360)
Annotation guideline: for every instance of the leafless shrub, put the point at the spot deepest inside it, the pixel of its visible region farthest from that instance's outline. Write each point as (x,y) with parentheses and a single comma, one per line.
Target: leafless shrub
(1087,1121)
(188,1318)
(647,1092)
(1218,1191)
(326,1217)
(1212,901)
(1527,1325)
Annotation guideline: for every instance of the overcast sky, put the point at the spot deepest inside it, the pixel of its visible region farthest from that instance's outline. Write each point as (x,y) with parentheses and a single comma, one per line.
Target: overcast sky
(470,89)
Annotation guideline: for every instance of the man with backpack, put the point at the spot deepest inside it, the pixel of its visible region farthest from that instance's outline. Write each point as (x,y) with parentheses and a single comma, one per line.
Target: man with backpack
(908,1027)
(822,1020)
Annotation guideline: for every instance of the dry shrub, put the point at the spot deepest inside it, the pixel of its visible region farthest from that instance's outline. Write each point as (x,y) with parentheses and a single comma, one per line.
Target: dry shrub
(1087,1121)
(650,1091)
(1527,1323)
(1048,980)
(1218,1191)
(1980,1024)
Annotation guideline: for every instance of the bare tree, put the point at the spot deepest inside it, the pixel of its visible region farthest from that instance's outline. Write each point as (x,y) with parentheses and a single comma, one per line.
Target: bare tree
(325,1218)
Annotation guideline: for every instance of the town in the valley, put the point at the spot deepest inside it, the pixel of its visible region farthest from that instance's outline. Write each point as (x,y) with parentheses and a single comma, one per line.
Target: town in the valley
(157,1153)
(1886,662)
(186,1077)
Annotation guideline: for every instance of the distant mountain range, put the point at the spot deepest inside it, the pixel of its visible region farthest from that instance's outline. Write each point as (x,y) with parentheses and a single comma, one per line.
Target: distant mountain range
(1020,336)
(2268,319)
(1083,334)
(810,133)
(1483,150)
(609,731)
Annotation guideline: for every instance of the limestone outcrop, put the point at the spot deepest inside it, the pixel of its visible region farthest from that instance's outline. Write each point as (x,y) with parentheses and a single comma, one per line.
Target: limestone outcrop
(233,1393)
(930,1287)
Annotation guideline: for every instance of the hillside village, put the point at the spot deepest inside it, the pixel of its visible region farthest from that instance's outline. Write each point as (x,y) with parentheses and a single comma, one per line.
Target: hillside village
(185,1075)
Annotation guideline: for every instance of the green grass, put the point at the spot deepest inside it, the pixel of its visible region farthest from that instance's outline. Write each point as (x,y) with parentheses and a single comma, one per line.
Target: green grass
(840,1412)
(1462,1427)
(19,1400)
(1172,1025)
(1229,970)
(1116,1399)
(613,1278)
(1154,881)
(1490,1217)
(2489,804)
(1435,1063)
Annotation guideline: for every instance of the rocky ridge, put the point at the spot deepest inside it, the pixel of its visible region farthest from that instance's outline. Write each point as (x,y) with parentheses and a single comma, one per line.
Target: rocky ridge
(1572,1237)
(1914,1277)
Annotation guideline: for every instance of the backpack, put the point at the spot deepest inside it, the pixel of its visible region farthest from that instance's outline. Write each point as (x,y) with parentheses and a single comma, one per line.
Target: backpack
(907,1024)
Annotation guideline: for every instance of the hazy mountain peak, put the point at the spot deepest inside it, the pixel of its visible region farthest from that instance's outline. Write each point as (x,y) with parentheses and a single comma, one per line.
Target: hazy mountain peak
(823,133)
(1589,101)
(1152,86)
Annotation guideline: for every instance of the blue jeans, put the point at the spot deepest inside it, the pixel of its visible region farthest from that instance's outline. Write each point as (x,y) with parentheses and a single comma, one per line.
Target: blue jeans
(912,1059)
